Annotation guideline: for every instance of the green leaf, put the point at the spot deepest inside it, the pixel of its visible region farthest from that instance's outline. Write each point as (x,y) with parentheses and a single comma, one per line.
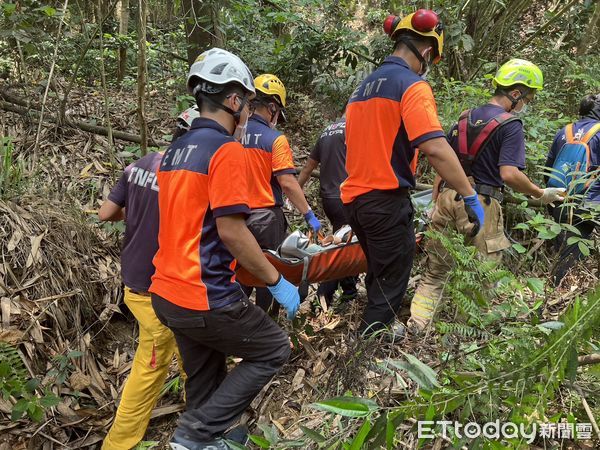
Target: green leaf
(571,228)
(552,325)
(555,228)
(521,226)
(347,406)
(4,369)
(536,285)
(358,441)
(546,234)
(9,8)
(236,445)
(418,371)
(270,433)
(572,364)
(146,445)
(260,441)
(19,409)
(519,248)
(48,10)
(35,412)
(583,248)
(312,434)
(573,240)
(32,385)
(49,400)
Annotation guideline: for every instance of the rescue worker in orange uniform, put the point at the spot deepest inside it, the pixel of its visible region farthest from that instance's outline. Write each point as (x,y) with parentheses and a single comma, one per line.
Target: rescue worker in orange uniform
(389,115)
(273,174)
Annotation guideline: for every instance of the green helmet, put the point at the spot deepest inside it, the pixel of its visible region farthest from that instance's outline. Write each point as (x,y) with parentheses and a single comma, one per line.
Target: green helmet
(519,71)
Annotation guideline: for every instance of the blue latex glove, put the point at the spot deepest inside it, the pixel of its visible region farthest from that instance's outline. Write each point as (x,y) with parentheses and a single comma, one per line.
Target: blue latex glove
(474,212)
(312,220)
(286,295)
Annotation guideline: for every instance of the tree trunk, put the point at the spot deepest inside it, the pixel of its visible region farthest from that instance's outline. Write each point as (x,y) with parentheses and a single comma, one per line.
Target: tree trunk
(142,74)
(198,25)
(123,11)
(591,32)
(218,38)
(169,11)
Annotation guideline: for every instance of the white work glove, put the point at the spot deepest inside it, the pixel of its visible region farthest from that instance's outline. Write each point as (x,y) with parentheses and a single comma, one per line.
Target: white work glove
(552,195)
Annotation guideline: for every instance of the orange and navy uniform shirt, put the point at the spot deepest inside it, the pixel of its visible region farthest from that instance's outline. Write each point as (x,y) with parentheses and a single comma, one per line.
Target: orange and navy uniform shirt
(388,116)
(269,155)
(202,176)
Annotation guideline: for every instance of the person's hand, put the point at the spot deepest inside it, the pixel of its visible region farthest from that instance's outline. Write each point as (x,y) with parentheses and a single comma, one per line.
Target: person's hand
(312,221)
(286,295)
(552,195)
(474,212)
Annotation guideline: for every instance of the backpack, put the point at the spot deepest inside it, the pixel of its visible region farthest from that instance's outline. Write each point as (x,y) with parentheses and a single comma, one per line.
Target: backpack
(573,160)
(472,137)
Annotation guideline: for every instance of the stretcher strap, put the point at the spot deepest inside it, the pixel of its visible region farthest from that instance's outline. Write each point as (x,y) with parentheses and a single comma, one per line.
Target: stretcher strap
(305,268)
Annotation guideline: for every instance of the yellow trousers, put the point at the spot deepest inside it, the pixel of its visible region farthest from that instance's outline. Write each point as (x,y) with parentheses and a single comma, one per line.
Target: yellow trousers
(450,214)
(148,374)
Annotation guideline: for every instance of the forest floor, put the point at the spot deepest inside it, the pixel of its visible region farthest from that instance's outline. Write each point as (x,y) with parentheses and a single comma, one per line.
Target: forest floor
(61,284)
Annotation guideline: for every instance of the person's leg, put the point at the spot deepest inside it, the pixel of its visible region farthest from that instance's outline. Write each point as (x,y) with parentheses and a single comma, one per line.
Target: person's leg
(242,330)
(204,367)
(351,216)
(431,286)
(148,373)
(450,214)
(385,220)
(569,255)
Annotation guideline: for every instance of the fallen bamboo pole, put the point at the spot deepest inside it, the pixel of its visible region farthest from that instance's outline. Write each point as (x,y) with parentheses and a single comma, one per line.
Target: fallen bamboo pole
(20,107)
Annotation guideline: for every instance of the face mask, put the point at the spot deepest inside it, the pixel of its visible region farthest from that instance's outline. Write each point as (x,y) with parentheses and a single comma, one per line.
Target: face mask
(427,64)
(240,131)
(523,111)
(274,117)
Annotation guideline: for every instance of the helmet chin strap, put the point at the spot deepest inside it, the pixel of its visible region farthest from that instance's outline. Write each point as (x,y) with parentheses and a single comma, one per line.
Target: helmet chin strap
(515,101)
(236,114)
(273,112)
(406,41)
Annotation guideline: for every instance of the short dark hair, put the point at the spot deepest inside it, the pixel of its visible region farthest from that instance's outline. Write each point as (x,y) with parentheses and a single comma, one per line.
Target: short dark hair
(588,103)
(504,90)
(417,40)
(263,99)
(219,98)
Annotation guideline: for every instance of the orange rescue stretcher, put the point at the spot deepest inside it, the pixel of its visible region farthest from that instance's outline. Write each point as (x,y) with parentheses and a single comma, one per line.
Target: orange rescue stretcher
(335,257)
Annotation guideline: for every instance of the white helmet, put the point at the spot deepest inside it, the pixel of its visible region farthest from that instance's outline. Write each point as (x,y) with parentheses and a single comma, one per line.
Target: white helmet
(186,118)
(218,67)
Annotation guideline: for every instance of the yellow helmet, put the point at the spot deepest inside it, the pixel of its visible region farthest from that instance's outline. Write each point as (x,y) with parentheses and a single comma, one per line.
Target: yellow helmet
(271,85)
(423,22)
(519,71)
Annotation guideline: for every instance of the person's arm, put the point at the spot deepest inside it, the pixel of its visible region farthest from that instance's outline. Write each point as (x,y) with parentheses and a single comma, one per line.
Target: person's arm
(291,188)
(436,187)
(243,246)
(444,160)
(519,182)
(283,168)
(229,208)
(113,208)
(306,171)
(111,212)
